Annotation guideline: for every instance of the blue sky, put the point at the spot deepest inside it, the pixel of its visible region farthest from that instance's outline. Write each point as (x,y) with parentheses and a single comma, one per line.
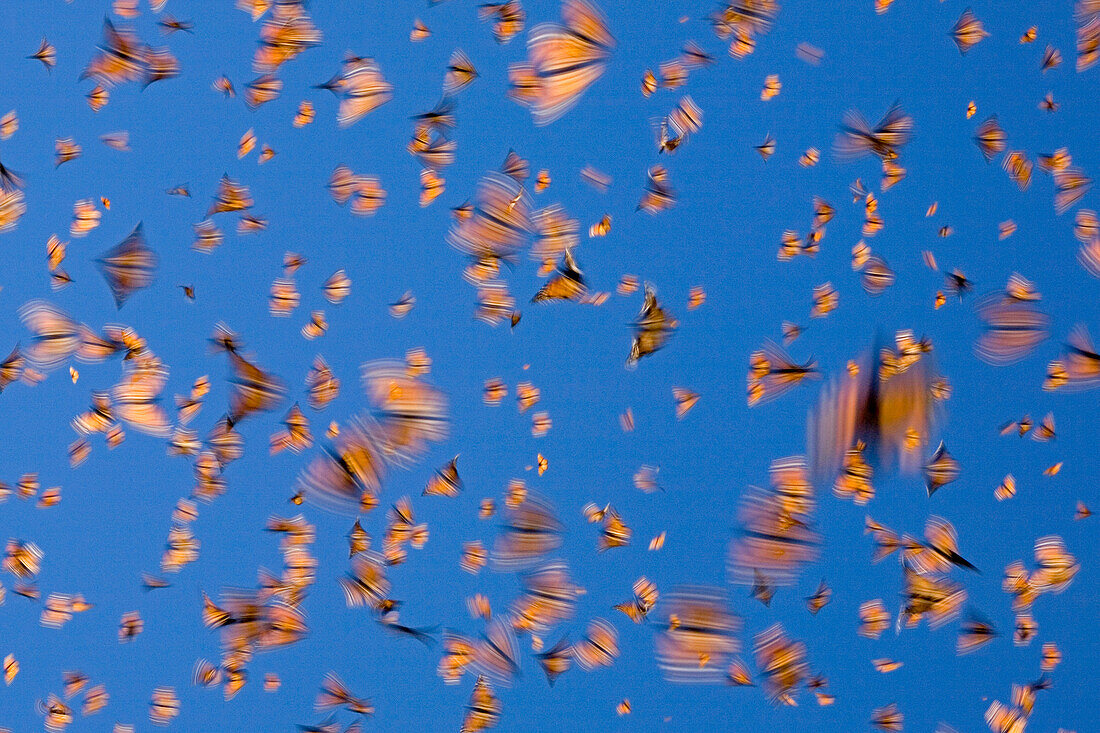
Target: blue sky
(722,234)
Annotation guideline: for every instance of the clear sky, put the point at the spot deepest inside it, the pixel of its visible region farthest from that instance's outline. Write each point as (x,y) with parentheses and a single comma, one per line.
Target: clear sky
(722,234)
